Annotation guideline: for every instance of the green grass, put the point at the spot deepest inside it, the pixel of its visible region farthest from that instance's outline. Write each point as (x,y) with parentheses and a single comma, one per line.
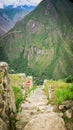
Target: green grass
(61,91)
(31,90)
(63,94)
(18,95)
(16,83)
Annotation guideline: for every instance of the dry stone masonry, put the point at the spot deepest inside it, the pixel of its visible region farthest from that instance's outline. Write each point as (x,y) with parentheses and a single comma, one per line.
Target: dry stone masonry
(7,102)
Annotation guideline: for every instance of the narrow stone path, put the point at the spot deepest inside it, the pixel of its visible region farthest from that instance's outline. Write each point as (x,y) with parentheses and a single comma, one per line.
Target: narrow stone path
(36,114)
(39,100)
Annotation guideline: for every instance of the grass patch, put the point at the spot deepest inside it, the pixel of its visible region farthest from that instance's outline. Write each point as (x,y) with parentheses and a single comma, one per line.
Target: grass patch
(61,91)
(18,95)
(63,94)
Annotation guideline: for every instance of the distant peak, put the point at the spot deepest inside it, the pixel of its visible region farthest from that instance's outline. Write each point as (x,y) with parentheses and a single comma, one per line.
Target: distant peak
(26,7)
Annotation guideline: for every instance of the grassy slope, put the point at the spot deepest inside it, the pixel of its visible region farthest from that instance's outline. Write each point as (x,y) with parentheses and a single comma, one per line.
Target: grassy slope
(44,38)
(60,91)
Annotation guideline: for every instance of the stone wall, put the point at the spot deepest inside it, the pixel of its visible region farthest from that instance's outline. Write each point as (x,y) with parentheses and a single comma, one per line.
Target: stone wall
(7,101)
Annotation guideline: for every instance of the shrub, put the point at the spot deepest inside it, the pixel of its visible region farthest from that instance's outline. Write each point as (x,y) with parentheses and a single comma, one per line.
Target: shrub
(69,79)
(18,95)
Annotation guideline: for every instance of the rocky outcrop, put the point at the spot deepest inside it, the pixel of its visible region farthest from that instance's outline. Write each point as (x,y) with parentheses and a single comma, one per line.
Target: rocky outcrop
(67,109)
(7,102)
(36,114)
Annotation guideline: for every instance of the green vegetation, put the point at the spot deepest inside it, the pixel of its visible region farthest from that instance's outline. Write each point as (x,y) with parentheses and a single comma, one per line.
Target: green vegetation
(21,63)
(17,83)
(16,80)
(38,109)
(61,91)
(31,90)
(64,94)
(42,47)
(3,56)
(18,95)
(69,79)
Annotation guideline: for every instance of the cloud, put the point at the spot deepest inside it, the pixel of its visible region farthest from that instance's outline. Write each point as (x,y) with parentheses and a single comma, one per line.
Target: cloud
(1,5)
(19,2)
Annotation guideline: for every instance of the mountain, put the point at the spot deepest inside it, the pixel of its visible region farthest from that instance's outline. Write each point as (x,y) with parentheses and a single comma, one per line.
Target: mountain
(5,24)
(10,15)
(42,43)
(25,7)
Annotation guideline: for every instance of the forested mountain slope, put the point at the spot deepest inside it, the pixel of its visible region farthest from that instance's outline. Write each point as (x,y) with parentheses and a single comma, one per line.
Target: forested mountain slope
(42,43)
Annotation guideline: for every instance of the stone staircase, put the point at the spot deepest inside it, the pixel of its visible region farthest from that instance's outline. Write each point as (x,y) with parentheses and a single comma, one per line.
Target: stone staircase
(37,114)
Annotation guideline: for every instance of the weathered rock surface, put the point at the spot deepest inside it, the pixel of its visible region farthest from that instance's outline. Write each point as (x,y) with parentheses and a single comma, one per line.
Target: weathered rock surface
(48,121)
(66,105)
(7,102)
(67,108)
(3,125)
(38,115)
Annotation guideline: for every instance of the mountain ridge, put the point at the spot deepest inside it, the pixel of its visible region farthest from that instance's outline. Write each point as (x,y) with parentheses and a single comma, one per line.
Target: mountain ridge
(10,15)
(44,42)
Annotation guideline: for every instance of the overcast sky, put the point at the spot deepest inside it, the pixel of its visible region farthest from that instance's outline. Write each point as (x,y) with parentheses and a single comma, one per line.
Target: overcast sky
(19,2)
